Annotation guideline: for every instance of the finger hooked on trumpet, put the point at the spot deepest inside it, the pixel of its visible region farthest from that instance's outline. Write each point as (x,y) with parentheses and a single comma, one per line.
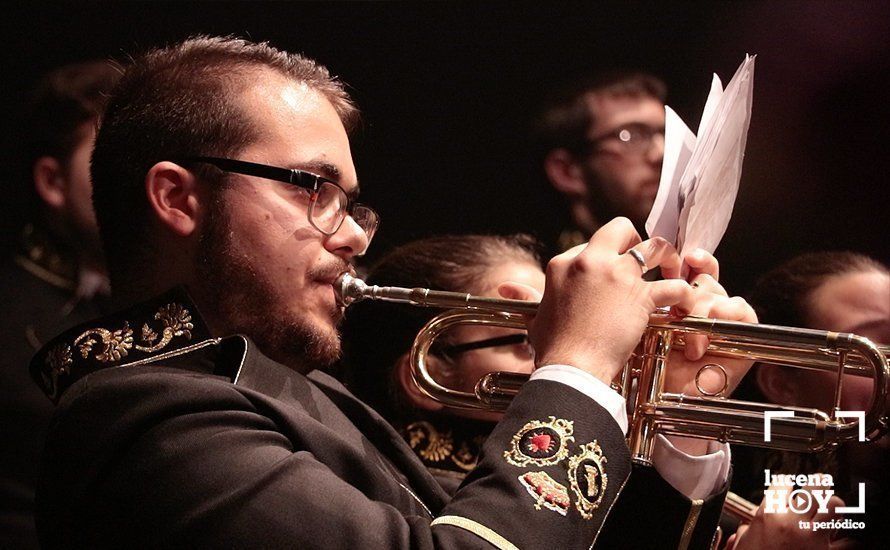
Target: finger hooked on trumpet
(711,380)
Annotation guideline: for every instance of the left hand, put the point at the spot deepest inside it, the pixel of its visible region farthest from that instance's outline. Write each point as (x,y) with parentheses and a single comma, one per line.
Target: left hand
(711,301)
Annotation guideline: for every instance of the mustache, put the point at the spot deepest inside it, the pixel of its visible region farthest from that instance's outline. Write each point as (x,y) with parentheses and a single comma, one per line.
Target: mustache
(330,271)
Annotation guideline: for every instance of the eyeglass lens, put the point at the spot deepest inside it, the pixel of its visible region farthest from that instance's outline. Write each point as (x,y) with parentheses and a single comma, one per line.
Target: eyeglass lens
(637,137)
(328,210)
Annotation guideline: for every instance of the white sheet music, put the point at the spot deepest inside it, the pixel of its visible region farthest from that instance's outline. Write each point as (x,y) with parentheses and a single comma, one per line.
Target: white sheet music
(700,175)
(679,141)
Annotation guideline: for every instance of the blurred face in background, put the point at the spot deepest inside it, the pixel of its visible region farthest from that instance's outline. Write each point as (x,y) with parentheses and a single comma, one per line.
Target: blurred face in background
(858,303)
(623,168)
(462,370)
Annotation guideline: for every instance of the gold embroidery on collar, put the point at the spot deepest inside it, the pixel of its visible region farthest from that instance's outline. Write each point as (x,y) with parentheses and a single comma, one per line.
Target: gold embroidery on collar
(42,257)
(148,335)
(117,344)
(438,445)
(465,458)
(113,345)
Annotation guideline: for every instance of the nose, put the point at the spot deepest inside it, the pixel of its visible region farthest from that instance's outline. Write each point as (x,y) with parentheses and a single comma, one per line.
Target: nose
(349,240)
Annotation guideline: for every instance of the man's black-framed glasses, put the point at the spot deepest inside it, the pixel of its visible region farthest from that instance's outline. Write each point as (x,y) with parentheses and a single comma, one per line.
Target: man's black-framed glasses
(329,204)
(451,351)
(635,137)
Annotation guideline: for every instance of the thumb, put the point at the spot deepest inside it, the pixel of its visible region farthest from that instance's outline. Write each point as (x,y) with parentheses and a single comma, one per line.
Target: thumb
(519,291)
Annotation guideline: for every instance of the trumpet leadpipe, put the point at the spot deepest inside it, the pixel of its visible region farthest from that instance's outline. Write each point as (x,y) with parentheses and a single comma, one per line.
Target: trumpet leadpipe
(351,289)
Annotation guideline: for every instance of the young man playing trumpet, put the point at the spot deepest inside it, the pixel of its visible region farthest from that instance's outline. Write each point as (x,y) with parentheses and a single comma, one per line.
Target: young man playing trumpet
(203,418)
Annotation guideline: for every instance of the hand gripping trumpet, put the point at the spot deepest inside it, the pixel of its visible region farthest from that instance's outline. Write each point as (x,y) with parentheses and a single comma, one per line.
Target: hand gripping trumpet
(651,409)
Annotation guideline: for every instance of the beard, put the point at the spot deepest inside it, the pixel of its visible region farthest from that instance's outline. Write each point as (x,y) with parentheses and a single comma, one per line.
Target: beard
(606,201)
(241,299)
(605,208)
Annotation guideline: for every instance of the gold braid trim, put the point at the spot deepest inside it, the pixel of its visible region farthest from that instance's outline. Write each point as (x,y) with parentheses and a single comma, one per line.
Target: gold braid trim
(44,274)
(477,529)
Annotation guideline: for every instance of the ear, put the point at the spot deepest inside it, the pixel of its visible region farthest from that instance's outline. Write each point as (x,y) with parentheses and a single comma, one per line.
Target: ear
(776,386)
(410,390)
(519,291)
(565,174)
(50,182)
(172,192)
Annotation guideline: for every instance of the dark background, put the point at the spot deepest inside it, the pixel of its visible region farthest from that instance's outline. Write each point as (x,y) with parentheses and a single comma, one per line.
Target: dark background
(448,91)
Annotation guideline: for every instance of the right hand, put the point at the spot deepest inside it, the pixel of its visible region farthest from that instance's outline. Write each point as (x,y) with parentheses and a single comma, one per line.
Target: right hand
(596,304)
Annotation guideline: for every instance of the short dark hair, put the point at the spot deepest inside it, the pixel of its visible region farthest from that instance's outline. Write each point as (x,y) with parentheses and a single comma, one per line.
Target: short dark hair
(61,103)
(177,101)
(454,262)
(781,296)
(565,119)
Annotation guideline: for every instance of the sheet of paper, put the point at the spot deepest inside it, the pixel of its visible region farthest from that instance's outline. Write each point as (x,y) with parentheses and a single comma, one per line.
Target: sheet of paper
(713,177)
(679,141)
(714,97)
(700,175)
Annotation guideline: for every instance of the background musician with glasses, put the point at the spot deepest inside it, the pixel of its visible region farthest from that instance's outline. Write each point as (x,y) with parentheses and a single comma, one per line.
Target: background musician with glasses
(601,143)
(376,368)
(201,416)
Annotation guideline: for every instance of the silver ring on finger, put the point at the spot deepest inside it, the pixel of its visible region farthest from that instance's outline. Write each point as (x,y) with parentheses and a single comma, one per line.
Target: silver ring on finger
(638,256)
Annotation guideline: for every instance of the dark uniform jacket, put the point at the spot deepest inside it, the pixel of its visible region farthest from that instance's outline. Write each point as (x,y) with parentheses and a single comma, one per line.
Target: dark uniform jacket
(37,290)
(189,441)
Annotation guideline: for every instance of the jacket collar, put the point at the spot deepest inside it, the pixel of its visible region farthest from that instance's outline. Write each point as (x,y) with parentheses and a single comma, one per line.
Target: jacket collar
(165,326)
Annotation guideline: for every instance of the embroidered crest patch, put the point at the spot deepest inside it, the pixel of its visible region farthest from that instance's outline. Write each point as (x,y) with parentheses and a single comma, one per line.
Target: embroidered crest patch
(587,476)
(541,443)
(546,491)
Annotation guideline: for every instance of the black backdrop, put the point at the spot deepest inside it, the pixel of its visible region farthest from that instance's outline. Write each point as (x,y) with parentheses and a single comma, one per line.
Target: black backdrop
(448,89)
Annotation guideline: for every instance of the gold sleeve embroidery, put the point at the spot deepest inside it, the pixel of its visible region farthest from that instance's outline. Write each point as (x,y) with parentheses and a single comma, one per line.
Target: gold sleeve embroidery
(477,529)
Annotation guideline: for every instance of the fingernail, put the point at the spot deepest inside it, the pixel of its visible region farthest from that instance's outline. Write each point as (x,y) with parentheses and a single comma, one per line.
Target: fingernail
(678,312)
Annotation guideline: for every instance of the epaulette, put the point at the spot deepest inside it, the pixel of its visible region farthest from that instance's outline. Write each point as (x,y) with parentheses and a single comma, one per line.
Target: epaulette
(165,326)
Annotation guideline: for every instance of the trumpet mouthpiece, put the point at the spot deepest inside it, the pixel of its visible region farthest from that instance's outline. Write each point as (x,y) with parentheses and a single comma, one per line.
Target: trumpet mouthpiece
(349,289)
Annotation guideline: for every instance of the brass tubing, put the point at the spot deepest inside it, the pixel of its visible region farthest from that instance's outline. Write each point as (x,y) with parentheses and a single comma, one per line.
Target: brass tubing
(654,411)
(656,347)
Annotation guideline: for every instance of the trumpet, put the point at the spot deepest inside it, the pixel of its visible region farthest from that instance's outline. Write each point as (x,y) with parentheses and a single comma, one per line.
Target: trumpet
(651,409)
